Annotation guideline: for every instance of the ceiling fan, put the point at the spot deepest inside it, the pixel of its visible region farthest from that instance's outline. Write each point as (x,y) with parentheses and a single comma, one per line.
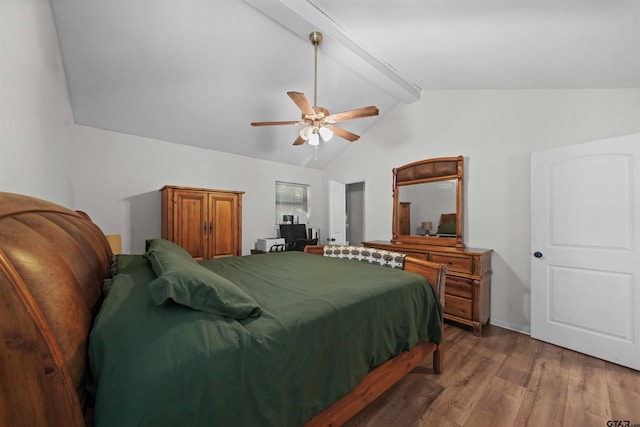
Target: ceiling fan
(320,124)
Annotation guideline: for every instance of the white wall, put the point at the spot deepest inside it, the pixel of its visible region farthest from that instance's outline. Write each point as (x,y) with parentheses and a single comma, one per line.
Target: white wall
(495,131)
(117,178)
(35,114)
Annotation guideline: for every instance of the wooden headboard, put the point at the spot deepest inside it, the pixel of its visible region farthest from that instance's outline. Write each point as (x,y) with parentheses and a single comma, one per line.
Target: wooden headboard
(52,264)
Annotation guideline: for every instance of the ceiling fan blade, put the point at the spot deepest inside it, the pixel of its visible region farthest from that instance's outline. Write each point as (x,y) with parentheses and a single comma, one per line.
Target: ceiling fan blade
(298,141)
(371,110)
(344,133)
(302,102)
(276,123)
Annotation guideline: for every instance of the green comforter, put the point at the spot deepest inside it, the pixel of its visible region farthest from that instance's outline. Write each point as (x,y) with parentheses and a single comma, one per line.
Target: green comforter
(325,323)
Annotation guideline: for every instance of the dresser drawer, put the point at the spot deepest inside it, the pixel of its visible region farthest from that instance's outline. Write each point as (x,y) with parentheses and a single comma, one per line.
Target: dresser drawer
(457,306)
(459,287)
(418,255)
(461,263)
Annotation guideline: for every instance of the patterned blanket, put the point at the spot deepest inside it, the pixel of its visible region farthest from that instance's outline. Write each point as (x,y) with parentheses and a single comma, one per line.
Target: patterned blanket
(372,256)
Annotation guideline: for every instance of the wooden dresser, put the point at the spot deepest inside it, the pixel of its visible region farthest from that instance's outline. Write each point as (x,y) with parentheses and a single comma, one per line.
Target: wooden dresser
(206,223)
(468,284)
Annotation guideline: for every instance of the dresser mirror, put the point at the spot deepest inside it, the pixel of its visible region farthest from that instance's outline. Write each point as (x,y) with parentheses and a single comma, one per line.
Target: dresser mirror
(427,202)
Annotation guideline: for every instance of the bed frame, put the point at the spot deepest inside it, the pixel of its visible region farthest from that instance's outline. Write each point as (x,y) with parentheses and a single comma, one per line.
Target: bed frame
(384,376)
(53,262)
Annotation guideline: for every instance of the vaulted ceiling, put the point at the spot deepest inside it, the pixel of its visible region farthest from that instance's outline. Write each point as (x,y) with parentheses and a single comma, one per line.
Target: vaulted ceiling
(197,72)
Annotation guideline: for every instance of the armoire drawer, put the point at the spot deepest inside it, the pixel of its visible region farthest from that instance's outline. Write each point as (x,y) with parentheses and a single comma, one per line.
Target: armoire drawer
(461,263)
(459,286)
(457,306)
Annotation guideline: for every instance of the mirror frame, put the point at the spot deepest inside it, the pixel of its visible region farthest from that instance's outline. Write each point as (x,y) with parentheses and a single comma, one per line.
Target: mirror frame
(429,170)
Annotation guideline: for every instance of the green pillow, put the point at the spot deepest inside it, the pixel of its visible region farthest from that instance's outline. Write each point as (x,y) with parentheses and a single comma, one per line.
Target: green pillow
(447,228)
(166,257)
(166,246)
(188,283)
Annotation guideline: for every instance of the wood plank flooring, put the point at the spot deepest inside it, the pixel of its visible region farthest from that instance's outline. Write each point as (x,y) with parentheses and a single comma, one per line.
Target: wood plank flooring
(506,378)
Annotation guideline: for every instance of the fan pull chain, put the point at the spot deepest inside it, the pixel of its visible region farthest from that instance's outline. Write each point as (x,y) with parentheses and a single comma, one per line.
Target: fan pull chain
(315,153)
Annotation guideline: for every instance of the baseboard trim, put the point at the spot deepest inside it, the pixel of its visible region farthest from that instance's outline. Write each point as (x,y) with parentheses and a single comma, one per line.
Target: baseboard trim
(512,326)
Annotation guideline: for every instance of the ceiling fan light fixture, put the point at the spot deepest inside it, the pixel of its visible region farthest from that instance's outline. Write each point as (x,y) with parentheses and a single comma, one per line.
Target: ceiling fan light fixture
(305,132)
(314,139)
(325,133)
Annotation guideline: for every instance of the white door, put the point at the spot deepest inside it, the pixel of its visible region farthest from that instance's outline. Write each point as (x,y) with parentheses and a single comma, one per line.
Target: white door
(337,213)
(585,255)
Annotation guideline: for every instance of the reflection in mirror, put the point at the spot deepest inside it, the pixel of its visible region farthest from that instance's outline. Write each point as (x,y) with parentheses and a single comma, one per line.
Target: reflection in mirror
(427,202)
(422,207)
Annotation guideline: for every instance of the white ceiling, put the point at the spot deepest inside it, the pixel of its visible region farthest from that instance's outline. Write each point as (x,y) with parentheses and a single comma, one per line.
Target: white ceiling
(197,72)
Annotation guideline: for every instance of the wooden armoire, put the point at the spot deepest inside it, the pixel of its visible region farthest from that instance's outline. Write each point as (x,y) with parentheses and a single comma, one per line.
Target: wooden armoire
(206,223)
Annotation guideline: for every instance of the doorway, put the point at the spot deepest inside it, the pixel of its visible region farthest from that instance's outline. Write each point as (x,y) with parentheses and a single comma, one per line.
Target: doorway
(355,213)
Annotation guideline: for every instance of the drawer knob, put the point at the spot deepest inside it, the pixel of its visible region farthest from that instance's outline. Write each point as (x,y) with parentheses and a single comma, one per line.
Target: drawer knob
(449,262)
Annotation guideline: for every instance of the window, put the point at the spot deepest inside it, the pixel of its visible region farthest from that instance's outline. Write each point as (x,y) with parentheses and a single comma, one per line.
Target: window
(293,200)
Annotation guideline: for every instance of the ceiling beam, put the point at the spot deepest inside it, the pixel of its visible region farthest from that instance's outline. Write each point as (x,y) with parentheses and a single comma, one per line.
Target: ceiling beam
(302,16)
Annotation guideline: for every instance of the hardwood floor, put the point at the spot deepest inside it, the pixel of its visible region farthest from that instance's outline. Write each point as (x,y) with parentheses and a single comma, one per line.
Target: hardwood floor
(506,378)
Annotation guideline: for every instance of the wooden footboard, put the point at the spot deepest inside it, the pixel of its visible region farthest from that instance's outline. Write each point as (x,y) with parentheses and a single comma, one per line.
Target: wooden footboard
(379,380)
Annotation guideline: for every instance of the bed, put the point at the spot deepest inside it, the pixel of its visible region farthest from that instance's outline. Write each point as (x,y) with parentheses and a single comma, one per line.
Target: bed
(55,263)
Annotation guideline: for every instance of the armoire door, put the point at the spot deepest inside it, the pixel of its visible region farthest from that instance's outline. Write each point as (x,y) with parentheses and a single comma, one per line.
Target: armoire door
(585,248)
(223,237)
(190,222)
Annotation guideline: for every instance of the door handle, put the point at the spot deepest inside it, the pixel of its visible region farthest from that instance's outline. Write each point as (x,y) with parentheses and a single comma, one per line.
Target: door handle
(331,239)
(537,254)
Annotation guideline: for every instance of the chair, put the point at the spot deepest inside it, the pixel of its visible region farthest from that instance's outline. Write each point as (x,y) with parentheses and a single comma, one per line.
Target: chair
(295,237)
